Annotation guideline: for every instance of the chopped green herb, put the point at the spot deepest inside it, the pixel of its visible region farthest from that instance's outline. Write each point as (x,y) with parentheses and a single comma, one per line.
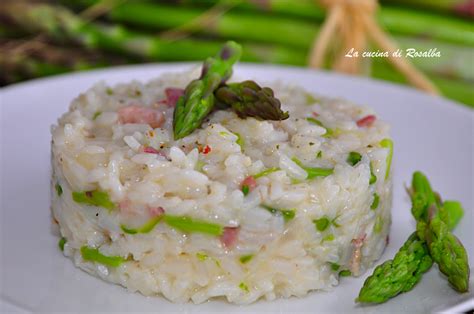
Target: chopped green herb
(201,256)
(319,154)
(59,189)
(93,255)
(388,143)
(244,287)
(378,224)
(245,189)
(61,243)
(265,172)
(322,223)
(223,133)
(329,237)
(287,214)
(240,140)
(335,266)
(313,172)
(188,224)
(109,91)
(93,198)
(98,113)
(147,227)
(245,258)
(334,223)
(345,273)
(354,158)
(375,202)
(373,177)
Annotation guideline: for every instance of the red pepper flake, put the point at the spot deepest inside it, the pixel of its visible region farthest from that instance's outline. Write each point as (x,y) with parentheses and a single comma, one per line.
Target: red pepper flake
(366,121)
(229,236)
(387,240)
(206,150)
(315,114)
(89,194)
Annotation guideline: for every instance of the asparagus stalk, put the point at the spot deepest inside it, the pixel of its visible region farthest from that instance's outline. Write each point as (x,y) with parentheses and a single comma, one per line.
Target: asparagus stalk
(415,258)
(445,249)
(61,24)
(198,99)
(283,29)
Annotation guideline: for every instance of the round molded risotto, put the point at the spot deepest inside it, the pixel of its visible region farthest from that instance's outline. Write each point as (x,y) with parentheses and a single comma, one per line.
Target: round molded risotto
(240,209)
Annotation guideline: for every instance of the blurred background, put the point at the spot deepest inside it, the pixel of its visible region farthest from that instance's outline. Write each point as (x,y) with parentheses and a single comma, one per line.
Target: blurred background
(43,38)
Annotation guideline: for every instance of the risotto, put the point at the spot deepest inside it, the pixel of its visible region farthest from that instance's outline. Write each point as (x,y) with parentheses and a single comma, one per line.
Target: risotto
(240,208)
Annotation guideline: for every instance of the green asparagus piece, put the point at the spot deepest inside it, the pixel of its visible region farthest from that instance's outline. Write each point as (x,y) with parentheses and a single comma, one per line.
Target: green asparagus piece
(198,99)
(398,275)
(314,172)
(93,198)
(187,224)
(445,248)
(248,99)
(94,255)
(147,227)
(413,259)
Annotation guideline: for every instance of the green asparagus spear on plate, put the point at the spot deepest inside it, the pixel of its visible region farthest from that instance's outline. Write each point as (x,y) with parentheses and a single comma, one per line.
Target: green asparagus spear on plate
(198,99)
(445,248)
(416,256)
(398,275)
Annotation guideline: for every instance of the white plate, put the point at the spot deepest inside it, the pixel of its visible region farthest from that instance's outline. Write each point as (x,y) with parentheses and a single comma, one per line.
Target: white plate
(430,133)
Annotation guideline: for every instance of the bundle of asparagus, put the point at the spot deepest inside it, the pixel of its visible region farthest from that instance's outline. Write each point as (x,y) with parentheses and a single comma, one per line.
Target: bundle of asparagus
(135,29)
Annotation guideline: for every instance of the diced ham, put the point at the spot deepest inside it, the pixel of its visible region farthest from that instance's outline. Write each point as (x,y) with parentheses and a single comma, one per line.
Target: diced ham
(150,150)
(141,114)
(172,95)
(156,211)
(250,182)
(229,236)
(125,207)
(366,121)
(356,254)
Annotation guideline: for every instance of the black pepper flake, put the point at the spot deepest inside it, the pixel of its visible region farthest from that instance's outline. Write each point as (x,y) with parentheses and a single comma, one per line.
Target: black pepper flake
(97,214)
(278,146)
(311,143)
(162,146)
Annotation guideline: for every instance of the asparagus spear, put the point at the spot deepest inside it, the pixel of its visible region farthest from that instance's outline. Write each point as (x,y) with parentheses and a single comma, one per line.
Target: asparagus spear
(398,275)
(287,30)
(198,99)
(445,248)
(248,99)
(413,259)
